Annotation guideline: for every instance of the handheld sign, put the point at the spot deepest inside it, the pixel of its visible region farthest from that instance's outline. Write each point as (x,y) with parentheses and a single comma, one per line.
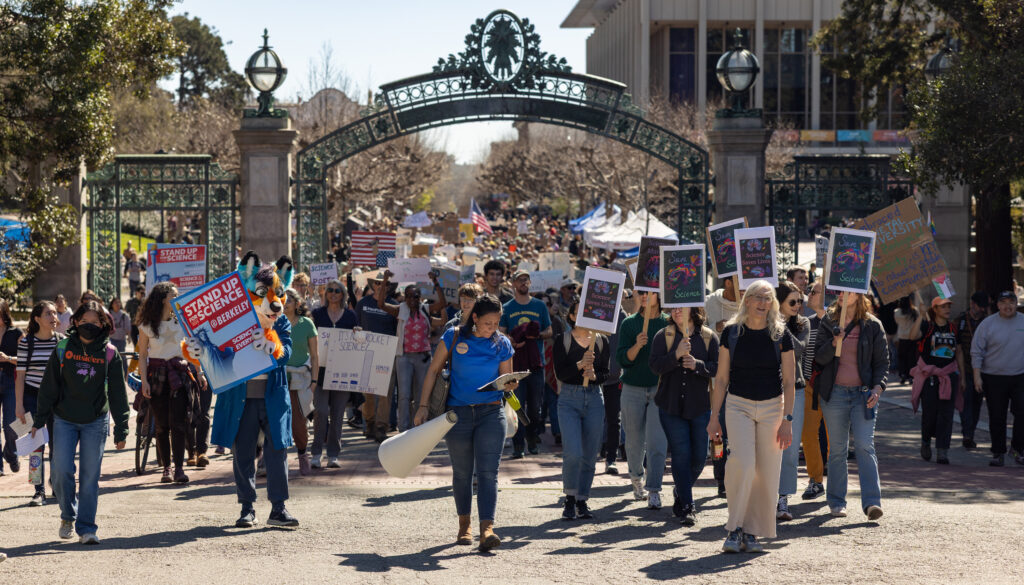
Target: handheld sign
(409,269)
(184,265)
(647,273)
(222,317)
(755,256)
(851,254)
(682,276)
(820,250)
(356,361)
(323,273)
(601,300)
(722,243)
(542,280)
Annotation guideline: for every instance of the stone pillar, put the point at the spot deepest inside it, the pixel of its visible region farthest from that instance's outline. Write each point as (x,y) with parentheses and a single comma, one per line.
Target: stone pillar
(67,274)
(265,149)
(951,213)
(737,157)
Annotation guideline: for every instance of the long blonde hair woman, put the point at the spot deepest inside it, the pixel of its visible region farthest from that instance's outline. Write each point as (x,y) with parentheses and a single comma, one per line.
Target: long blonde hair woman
(756,364)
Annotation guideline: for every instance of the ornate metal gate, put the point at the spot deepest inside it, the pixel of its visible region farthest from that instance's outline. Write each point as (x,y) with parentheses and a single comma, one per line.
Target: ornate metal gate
(832,185)
(158,183)
(501,75)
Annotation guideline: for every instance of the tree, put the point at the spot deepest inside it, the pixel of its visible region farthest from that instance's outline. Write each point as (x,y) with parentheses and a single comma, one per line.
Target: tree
(970,121)
(61,62)
(203,68)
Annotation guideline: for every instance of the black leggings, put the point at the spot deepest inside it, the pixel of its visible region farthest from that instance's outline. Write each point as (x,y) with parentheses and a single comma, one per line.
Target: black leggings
(907,353)
(612,406)
(171,419)
(199,433)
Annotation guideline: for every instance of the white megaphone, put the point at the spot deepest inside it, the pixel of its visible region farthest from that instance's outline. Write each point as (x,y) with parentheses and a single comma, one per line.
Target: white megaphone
(400,454)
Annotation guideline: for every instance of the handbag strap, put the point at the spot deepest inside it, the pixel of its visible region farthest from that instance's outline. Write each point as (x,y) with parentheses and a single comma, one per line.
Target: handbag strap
(455,341)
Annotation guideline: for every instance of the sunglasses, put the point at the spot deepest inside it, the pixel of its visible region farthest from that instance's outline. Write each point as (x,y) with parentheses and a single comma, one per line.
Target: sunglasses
(335,290)
(795,302)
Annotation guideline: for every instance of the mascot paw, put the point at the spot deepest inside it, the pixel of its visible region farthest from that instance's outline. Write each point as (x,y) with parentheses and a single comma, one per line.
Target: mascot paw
(194,348)
(261,343)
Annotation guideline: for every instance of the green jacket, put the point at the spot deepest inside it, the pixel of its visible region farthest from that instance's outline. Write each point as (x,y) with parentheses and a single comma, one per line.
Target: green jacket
(77,392)
(638,372)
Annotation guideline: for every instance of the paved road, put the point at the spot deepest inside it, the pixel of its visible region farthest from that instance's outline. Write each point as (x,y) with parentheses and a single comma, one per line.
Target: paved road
(958,524)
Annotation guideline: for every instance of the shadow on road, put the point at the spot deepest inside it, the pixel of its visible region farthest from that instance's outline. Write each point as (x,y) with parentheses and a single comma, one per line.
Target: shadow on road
(407,497)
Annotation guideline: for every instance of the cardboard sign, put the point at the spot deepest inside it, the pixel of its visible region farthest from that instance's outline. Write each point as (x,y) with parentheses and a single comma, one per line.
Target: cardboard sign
(755,256)
(850,256)
(448,278)
(409,269)
(820,250)
(221,316)
(648,273)
(184,265)
(682,276)
(906,256)
(601,299)
(542,280)
(356,361)
(420,251)
(722,243)
(322,273)
(363,279)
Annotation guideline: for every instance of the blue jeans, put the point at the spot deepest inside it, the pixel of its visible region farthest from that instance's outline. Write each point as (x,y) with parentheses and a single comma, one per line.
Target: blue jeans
(845,409)
(79,507)
(582,412)
(254,419)
(644,435)
(688,440)
(8,402)
(791,456)
(530,394)
(412,369)
(475,442)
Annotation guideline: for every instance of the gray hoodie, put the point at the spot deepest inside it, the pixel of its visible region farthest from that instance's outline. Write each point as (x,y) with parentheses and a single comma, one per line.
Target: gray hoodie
(998,346)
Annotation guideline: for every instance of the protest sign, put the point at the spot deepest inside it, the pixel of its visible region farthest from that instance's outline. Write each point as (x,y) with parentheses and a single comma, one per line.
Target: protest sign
(420,251)
(466,231)
(467,274)
(222,318)
(755,256)
(356,361)
(647,272)
(409,269)
(722,243)
(631,267)
(820,250)
(323,273)
(555,261)
(906,256)
(542,280)
(682,276)
(448,278)
(527,266)
(602,297)
(849,260)
(363,278)
(184,265)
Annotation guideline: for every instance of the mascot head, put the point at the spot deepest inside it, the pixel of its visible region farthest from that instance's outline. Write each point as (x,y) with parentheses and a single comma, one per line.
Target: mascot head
(265,287)
(285,270)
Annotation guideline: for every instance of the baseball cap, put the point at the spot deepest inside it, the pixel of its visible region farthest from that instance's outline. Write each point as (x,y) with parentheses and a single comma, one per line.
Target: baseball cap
(1006,294)
(518,273)
(569,282)
(937,301)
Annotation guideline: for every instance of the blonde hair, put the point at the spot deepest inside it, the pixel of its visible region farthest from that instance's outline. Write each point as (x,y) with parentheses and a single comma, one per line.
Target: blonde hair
(773,319)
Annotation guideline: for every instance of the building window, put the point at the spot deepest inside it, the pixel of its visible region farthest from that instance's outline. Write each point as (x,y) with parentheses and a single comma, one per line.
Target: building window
(892,111)
(786,75)
(840,99)
(682,65)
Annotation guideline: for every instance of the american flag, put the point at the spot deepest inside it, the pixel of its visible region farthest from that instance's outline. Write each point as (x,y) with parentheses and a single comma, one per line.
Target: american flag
(478,218)
(372,248)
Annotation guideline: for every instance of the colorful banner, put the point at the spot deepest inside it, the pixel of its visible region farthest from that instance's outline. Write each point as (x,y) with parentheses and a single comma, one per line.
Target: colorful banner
(755,256)
(221,317)
(682,276)
(853,135)
(322,273)
(850,256)
(647,272)
(601,300)
(356,361)
(906,256)
(817,136)
(722,243)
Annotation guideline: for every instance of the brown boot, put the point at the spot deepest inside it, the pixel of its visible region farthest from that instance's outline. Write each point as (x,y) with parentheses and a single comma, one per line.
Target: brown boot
(465,532)
(488,539)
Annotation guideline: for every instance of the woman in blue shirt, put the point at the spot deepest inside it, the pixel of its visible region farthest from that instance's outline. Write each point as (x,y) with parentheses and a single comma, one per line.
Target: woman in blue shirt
(482,353)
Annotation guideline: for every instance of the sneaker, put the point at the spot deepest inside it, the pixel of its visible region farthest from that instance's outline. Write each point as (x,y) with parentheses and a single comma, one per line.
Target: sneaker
(166,477)
(202,461)
(782,509)
(689,515)
(38,499)
(517,455)
(814,490)
(316,461)
(247,519)
(874,512)
(569,511)
(191,461)
(654,501)
(179,476)
(531,446)
(638,489)
(89,539)
(838,512)
(942,456)
(583,511)
(304,468)
(282,518)
(732,542)
(67,529)
(220,450)
(997,461)
(332,462)
(970,444)
(610,468)
(750,544)
(926,451)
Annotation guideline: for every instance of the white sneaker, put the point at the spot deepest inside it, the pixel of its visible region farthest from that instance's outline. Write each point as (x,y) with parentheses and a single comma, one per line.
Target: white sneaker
(67,529)
(782,510)
(3,557)
(332,462)
(654,501)
(316,461)
(638,489)
(839,512)
(89,539)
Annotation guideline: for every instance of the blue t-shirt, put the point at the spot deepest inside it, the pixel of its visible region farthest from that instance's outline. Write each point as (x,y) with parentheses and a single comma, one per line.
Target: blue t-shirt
(514,314)
(374,319)
(475,362)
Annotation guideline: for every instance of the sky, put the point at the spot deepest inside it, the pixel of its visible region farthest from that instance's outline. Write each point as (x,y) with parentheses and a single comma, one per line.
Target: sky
(375,42)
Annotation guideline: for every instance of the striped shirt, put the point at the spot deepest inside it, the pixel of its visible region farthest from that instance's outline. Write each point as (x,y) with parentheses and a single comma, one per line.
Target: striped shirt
(34,365)
(812,344)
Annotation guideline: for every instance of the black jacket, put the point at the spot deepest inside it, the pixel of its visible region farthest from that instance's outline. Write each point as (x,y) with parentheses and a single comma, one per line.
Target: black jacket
(683,392)
(872,355)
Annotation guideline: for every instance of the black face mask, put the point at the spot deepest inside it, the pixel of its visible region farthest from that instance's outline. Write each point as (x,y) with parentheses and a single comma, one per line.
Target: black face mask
(90,331)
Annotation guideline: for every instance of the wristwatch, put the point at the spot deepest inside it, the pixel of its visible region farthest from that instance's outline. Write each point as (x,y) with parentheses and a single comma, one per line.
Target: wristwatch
(789,417)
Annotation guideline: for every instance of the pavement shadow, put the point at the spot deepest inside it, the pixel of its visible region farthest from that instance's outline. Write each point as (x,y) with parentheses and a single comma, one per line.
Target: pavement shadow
(425,560)
(166,539)
(408,497)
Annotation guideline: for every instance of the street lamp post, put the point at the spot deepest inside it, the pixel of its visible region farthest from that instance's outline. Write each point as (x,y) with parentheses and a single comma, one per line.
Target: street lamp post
(265,73)
(939,63)
(737,70)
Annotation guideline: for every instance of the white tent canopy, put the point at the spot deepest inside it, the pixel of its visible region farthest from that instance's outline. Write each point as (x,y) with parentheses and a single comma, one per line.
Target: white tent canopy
(627,235)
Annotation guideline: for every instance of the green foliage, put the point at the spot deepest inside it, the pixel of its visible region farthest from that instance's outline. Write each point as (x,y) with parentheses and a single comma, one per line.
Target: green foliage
(203,68)
(52,226)
(423,200)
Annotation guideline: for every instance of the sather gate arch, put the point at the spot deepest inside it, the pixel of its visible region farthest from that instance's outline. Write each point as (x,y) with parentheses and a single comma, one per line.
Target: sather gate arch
(501,75)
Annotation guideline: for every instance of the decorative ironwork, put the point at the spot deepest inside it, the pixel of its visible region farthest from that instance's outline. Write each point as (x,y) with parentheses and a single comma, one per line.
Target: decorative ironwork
(158,183)
(501,75)
(843,185)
